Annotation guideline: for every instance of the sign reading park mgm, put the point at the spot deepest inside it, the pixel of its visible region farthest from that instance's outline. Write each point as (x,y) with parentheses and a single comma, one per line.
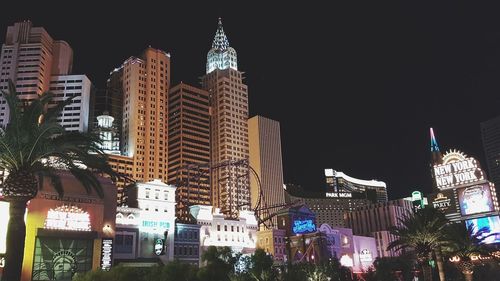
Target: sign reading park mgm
(457,169)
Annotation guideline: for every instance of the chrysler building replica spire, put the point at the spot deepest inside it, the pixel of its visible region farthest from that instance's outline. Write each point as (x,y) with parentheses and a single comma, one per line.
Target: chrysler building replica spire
(221,56)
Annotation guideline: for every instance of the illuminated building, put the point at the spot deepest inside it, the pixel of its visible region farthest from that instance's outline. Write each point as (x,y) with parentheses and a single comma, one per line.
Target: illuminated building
(376,219)
(266,160)
(69,234)
(189,147)
(36,63)
(145,84)
(464,194)
(124,166)
(150,217)
(109,101)
(76,116)
(490,132)
(330,207)
(107,131)
(274,243)
(339,182)
(339,242)
(229,127)
(216,230)
(187,243)
(365,253)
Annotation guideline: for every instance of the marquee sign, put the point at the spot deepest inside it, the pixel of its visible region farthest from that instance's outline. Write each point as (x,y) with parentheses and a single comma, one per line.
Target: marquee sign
(457,169)
(68,218)
(106,254)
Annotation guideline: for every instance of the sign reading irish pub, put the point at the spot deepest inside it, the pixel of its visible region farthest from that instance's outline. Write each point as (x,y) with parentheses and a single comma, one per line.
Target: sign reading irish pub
(457,169)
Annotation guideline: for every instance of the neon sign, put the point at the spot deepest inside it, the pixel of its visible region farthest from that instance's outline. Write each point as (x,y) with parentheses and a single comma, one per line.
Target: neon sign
(155,224)
(303,226)
(338,195)
(456,170)
(68,218)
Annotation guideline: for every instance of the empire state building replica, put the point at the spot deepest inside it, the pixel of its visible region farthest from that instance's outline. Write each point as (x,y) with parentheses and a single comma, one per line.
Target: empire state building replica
(230,185)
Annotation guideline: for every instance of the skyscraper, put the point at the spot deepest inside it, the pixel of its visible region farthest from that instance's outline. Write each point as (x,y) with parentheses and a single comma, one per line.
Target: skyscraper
(136,98)
(266,160)
(145,84)
(229,127)
(490,132)
(37,63)
(189,147)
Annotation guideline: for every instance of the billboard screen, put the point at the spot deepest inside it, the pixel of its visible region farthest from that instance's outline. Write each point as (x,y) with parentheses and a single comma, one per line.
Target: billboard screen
(488,227)
(475,199)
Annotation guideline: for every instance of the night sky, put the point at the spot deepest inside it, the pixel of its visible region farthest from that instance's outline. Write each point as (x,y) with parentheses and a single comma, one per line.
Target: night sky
(355,86)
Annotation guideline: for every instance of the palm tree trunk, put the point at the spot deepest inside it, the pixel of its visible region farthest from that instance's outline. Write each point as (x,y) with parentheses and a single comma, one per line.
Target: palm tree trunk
(427,271)
(16,233)
(469,275)
(440,264)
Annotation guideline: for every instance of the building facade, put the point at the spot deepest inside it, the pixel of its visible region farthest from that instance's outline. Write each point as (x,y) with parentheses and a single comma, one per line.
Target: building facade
(77,115)
(266,160)
(145,84)
(67,235)
(217,230)
(340,182)
(375,220)
(329,207)
(229,127)
(37,63)
(490,133)
(189,147)
(145,229)
(187,243)
(274,243)
(108,134)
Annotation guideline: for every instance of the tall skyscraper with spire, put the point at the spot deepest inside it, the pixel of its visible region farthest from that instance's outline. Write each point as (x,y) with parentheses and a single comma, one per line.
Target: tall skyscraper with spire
(436,157)
(229,127)
(435,152)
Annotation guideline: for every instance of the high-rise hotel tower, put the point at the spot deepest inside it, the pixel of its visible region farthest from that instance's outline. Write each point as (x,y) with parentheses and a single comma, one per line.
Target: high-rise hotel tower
(37,63)
(229,127)
(144,86)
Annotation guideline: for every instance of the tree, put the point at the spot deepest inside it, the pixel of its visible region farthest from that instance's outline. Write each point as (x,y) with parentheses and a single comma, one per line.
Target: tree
(422,232)
(33,145)
(261,266)
(465,245)
(388,268)
(220,263)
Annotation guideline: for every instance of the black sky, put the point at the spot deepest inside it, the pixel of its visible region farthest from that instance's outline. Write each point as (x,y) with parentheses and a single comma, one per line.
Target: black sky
(355,86)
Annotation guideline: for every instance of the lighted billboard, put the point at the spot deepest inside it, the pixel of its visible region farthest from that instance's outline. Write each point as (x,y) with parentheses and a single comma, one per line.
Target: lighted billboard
(444,201)
(457,169)
(475,199)
(60,259)
(488,227)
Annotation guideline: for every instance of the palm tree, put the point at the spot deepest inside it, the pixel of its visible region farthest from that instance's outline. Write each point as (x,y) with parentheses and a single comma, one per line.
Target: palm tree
(33,145)
(465,244)
(220,263)
(423,233)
